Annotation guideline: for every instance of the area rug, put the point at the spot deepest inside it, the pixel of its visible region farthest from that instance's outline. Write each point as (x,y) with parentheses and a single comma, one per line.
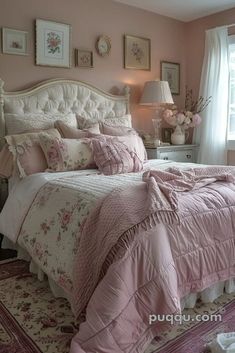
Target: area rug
(33,321)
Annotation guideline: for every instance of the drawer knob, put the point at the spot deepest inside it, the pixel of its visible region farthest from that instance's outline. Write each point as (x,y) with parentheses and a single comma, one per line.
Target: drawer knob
(165,158)
(188,156)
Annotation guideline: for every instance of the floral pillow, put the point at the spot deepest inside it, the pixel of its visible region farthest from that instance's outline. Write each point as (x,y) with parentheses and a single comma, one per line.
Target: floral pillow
(85,123)
(66,154)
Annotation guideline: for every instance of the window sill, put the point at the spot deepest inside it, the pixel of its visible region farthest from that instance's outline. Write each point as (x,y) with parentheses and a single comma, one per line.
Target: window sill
(231,145)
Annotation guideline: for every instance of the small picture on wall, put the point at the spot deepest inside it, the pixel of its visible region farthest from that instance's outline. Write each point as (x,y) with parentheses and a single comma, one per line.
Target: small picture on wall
(83,58)
(14,41)
(171,72)
(137,53)
(166,134)
(53,44)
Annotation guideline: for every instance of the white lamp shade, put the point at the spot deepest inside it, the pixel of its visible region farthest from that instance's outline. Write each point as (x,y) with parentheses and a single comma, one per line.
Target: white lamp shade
(156,92)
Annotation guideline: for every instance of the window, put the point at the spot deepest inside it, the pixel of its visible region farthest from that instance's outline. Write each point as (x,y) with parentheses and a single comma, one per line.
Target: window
(231,110)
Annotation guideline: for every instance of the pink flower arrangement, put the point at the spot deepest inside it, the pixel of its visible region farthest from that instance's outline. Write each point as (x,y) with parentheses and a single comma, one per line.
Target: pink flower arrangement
(185,119)
(189,117)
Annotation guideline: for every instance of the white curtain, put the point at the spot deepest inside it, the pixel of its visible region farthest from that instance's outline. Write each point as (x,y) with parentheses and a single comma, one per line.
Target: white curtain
(211,134)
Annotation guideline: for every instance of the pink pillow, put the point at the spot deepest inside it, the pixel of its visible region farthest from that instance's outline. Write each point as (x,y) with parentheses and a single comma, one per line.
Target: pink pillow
(6,162)
(69,132)
(32,160)
(27,155)
(107,129)
(113,157)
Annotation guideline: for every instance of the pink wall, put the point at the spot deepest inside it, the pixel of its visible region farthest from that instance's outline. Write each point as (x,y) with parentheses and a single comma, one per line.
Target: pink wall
(195,35)
(89,19)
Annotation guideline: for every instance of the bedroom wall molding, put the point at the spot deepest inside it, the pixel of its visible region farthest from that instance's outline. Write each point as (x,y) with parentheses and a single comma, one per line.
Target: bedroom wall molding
(17,102)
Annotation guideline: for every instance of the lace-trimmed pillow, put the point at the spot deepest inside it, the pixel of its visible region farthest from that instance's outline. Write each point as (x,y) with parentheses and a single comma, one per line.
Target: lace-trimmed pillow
(85,123)
(27,155)
(21,123)
(114,157)
(66,154)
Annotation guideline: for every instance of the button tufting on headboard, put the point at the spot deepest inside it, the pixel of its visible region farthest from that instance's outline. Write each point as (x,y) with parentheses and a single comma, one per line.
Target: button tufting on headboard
(62,97)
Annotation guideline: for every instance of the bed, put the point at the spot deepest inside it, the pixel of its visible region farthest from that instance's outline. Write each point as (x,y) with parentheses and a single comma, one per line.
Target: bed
(46,213)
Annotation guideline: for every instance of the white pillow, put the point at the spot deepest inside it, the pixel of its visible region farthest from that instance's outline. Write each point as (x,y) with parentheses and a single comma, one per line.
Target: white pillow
(85,123)
(19,123)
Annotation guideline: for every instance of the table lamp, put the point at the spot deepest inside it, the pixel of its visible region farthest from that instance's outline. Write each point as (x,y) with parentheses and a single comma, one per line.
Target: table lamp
(155,94)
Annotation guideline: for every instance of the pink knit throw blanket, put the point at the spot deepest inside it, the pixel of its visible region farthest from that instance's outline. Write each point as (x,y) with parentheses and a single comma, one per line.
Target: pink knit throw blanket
(125,212)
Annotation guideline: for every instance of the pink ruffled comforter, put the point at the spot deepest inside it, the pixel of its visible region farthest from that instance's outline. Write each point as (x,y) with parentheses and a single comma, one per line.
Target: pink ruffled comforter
(151,245)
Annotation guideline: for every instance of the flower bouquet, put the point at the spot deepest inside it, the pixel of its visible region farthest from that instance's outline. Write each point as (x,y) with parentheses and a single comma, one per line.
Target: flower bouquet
(186,118)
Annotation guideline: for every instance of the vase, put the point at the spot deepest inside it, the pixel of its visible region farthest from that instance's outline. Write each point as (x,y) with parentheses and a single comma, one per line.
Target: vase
(178,136)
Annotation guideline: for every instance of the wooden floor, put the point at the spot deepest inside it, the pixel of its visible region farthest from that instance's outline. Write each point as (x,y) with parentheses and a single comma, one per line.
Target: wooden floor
(5,253)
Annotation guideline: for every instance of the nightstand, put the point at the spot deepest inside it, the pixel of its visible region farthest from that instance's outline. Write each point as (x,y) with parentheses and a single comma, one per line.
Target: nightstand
(176,153)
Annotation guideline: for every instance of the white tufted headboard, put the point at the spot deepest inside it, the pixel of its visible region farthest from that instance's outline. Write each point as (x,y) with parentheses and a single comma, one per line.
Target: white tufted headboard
(61,96)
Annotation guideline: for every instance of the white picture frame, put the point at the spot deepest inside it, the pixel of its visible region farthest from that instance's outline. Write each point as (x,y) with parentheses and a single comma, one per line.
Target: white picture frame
(14,41)
(53,44)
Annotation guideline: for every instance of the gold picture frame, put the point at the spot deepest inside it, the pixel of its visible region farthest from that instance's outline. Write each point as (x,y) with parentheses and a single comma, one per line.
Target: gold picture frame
(83,58)
(53,44)
(171,72)
(137,53)
(14,41)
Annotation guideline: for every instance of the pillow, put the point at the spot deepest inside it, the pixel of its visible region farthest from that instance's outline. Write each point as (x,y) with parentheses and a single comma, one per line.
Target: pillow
(66,154)
(20,123)
(113,157)
(107,129)
(69,132)
(6,162)
(85,123)
(27,155)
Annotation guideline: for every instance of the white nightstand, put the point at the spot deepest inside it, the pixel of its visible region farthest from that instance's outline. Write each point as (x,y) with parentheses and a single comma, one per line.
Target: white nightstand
(176,153)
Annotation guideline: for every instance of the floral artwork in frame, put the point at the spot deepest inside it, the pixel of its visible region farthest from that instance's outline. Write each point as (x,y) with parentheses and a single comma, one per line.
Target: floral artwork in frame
(53,44)
(171,72)
(14,41)
(83,58)
(137,53)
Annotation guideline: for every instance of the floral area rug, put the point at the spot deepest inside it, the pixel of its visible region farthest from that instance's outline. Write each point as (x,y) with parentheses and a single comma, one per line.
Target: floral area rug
(33,321)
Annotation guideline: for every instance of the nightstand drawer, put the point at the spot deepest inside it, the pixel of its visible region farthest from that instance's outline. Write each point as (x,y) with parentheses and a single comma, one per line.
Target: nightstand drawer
(177,156)
(176,153)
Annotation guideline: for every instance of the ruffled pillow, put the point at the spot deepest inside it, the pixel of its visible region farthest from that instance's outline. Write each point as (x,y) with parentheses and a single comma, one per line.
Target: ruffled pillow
(66,154)
(27,155)
(113,157)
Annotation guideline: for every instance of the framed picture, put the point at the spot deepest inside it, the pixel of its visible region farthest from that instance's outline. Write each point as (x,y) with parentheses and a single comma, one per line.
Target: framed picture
(83,58)
(137,53)
(166,134)
(53,44)
(14,41)
(171,72)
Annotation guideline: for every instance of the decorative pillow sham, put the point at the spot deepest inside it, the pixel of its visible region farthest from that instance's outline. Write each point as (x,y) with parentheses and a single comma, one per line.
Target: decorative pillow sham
(27,155)
(113,157)
(73,133)
(107,129)
(85,123)
(20,123)
(66,154)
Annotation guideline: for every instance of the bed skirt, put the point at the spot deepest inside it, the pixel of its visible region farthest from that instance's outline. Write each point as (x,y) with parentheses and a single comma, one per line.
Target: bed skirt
(208,295)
